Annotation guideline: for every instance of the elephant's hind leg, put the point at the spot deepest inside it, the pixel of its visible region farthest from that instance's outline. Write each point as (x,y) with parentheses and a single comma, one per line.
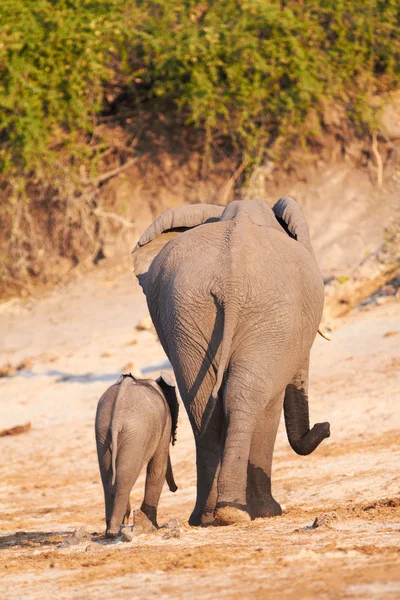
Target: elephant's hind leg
(208,459)
(240,425)
(260,501)
(155,478)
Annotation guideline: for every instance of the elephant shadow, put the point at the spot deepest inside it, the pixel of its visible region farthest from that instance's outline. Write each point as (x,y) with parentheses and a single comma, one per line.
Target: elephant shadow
(32,539)
(41,539)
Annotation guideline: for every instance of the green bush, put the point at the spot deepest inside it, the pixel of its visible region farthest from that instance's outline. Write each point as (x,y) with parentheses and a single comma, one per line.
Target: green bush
(249,71)
(54,58)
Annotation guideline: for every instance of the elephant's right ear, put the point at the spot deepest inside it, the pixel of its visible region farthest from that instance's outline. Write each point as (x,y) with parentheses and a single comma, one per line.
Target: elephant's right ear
(167,226)
(290,216)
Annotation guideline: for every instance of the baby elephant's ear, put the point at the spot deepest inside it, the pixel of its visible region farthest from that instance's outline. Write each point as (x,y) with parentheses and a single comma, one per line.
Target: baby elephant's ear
(167,379)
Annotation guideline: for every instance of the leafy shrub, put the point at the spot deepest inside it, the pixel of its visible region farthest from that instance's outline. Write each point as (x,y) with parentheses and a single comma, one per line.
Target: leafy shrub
(245,72)
(250,70)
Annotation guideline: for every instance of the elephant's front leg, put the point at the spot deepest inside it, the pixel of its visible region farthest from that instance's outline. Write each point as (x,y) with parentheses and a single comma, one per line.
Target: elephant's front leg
(208,459)
(260,502)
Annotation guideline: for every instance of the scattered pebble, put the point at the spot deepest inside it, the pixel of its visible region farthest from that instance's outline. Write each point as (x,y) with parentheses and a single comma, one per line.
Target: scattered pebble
(325,520)
(79,536)
(127,368)
(106,355)
(132,342)
(390,333)
(174,524)
(25,365)
(7,370)
(127,534)
(145,324)
(172,533)
(15,430)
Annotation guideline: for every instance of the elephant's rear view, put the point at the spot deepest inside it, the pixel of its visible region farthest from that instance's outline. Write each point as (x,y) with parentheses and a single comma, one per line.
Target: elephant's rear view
(136,420)
(236,297)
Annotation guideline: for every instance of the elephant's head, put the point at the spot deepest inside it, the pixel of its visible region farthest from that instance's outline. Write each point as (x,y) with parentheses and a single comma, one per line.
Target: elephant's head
(285,216)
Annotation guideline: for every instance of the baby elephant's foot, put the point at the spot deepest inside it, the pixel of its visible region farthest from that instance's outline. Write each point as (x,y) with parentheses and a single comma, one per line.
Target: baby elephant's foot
(149,511)
(112,534)
(231,513)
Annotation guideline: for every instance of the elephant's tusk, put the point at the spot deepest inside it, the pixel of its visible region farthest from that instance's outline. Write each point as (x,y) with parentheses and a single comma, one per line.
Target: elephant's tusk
(324,335)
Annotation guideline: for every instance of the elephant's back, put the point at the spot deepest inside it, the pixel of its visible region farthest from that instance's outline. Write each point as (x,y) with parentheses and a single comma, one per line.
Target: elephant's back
(273,279)
(140,414)
(256,256)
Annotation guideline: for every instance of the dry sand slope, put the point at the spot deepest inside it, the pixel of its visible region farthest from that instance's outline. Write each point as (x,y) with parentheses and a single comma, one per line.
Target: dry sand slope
(78,340)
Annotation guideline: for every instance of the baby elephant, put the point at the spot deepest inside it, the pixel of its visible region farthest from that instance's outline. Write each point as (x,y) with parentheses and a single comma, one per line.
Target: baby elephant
(136,420)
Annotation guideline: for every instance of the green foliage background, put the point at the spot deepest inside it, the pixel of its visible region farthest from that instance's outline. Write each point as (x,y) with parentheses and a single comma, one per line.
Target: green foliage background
(245,75)
(248,70)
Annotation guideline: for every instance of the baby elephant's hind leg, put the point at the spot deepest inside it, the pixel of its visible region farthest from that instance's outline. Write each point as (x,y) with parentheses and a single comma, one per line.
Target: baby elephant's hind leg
(155,477)
(127,514)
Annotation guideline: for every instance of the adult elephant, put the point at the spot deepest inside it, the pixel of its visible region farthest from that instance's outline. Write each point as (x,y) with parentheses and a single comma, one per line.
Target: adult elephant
(236,297)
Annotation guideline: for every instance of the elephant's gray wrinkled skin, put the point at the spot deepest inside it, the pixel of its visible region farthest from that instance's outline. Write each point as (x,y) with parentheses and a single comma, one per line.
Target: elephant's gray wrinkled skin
(136,420)
(236,298)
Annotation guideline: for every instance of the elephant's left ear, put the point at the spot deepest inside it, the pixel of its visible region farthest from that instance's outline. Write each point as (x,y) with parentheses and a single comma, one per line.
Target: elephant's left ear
(168,386)
(167,226)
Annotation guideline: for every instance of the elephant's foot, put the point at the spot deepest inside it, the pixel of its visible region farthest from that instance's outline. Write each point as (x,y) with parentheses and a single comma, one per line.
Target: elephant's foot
(112,534)
(205,518)
(230,513)
(149,511)
(265,508)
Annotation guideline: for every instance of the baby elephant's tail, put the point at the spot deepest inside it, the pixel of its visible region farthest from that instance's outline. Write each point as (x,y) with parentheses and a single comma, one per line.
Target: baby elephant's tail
(114,450)
(117,420)
(170,476)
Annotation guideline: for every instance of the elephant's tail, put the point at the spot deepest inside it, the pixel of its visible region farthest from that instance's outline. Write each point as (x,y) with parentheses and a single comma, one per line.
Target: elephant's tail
(230,320)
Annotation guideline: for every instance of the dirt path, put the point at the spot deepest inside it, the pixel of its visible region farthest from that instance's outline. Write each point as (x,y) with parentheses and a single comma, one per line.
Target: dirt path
(78,340)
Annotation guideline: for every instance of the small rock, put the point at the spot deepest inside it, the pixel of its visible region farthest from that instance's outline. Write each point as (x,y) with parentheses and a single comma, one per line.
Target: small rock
(106,355)
(132,342)
(127,534)
(78,537)
(141,523)
(390,333)
(325,520)
(7,370)
(25,365)
(172,533)
(174,524)
(127,368)
(145,324)
(15,430)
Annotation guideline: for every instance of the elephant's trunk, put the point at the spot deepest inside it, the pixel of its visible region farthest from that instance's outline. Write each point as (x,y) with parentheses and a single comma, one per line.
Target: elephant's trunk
(170,476)
(302,439)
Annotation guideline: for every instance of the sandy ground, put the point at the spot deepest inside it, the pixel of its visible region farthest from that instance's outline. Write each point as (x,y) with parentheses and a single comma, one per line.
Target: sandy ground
(78,340)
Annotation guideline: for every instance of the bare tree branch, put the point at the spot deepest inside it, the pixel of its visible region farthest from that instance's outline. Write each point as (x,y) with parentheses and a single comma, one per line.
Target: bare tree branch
(111,215)
(378,159)
(112,173)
